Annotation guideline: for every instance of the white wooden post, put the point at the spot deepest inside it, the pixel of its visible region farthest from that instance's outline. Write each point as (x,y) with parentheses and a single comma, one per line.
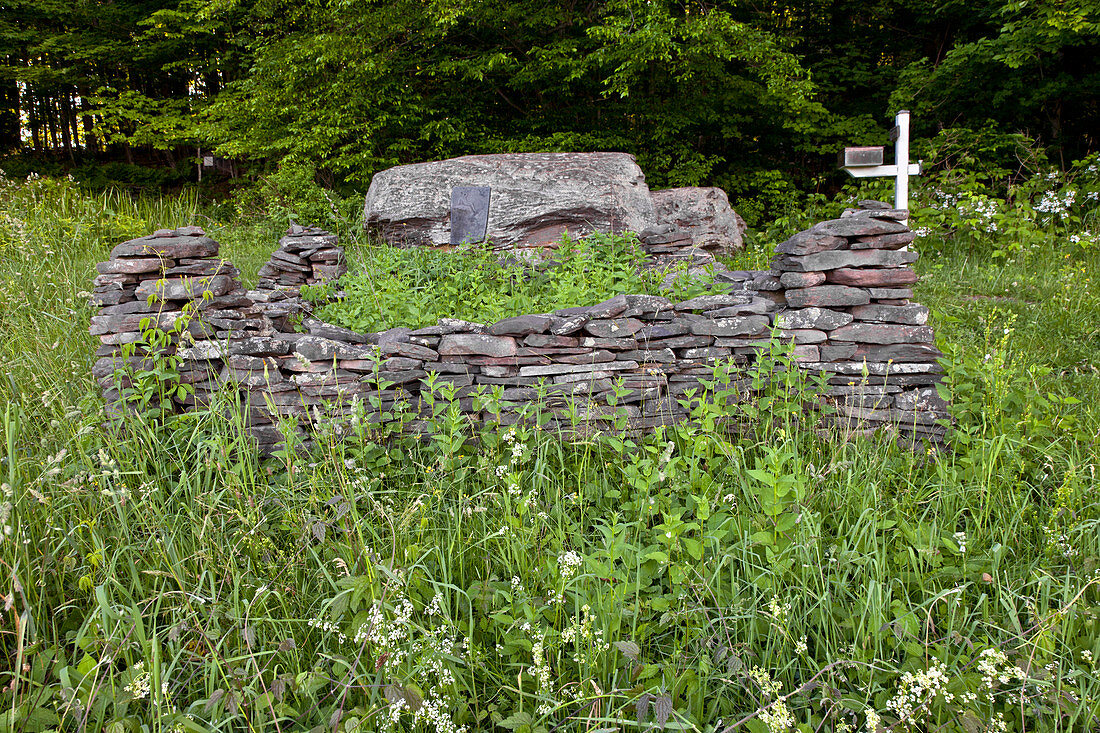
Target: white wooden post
(901,160)
(868,162)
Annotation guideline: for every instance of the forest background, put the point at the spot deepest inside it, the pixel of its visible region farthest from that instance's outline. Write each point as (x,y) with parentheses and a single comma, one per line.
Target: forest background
(753,97)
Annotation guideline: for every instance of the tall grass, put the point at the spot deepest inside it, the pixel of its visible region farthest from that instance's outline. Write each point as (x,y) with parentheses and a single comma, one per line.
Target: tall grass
(165,577)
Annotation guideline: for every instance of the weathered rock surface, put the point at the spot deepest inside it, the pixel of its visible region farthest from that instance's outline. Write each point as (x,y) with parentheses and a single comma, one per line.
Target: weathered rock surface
(704,214)
(536,197)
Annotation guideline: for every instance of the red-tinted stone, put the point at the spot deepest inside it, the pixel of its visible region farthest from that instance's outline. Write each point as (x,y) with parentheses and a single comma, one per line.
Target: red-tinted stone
(872,277)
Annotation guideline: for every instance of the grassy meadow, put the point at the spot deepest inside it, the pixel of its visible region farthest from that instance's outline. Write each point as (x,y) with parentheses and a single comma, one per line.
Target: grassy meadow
(167,578)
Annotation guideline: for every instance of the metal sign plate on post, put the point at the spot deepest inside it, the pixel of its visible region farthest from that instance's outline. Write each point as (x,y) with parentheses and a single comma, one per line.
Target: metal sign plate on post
(469,213)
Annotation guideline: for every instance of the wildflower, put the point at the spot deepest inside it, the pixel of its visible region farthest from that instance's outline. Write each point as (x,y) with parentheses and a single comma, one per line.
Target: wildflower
(139,685)
(568,563)
(916,691)
(777,717)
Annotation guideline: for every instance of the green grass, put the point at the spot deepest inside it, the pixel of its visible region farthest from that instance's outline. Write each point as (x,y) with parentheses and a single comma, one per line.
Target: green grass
(166,578)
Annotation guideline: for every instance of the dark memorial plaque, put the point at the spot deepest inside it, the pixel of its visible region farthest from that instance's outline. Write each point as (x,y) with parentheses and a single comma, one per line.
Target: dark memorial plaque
(469,213)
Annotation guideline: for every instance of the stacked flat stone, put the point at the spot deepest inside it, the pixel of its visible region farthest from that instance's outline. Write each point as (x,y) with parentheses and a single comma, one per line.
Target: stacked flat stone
(172,280)
(666,246)
(839,291)
(306,256)
(641,351)
(846,289)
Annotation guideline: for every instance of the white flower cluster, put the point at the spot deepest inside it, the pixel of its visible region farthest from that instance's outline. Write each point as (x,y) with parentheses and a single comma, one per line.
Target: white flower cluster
(779,612)
(139,685)
(981,211)
(995,669)
(568,562)
(407,650)
(666,458)
(1059,542)
(540,670)
(776,716)
(769,687)
(917,691)
(1056,205)
(960,540)
(584,637)
(519,450)
(328,627)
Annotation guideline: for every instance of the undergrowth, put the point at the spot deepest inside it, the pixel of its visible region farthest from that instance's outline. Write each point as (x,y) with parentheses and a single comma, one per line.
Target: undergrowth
(502,578)
(395,286)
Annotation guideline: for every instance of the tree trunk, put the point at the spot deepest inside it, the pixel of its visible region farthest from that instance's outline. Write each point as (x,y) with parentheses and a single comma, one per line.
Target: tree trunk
(34,113)
(74,123)
(90,142)
(66,113)
(9,116)
(51,121)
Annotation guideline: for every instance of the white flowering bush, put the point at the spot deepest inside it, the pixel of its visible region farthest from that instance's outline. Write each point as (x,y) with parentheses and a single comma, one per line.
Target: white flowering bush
(1040,207)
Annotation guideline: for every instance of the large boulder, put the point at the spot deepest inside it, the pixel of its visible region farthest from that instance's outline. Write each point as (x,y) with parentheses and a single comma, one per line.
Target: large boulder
(536,197)
(703,213)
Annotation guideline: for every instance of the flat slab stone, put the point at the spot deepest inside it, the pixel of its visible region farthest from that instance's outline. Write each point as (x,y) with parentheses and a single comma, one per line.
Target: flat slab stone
(613,327)
(521,325)
(822,319)
(316,348)
(458,344)
(801,279)
(872,278)
(711,302)
(858,226)
(184,288)
(911,315)
(885,241)
(827,295)
(844,258)
(736,326)
(132,266)
(898,352)
(536,197)
(557,369)
(172,247)
(810,242)
(878,333)
(926,399)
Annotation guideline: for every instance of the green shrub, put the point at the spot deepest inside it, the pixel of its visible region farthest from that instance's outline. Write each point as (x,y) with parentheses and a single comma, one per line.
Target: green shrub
(292,194)
(415,287)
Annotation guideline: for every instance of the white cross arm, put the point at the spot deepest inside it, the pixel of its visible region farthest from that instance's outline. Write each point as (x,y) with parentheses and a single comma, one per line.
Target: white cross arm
(873,171)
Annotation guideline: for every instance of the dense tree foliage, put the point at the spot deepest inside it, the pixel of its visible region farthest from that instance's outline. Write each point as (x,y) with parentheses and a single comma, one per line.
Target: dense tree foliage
(748,96)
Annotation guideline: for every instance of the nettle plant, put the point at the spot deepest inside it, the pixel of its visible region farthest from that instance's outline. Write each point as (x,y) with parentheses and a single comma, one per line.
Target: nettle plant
(415,287)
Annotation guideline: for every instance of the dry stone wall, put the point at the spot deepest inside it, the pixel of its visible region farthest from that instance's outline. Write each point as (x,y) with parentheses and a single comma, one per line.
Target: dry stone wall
(840,291)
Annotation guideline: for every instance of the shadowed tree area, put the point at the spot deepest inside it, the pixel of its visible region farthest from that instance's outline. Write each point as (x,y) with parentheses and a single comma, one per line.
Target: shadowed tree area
(753,98)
